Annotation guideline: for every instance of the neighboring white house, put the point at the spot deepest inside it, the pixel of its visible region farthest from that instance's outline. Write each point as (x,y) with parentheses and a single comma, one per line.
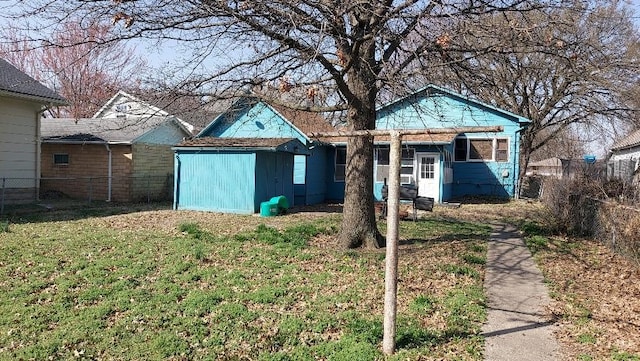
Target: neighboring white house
(624,158)
(125,105)
(22,101)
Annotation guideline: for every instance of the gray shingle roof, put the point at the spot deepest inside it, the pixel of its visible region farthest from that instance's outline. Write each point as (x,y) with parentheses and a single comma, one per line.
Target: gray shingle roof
(16,83)
(632,140)
(110,130)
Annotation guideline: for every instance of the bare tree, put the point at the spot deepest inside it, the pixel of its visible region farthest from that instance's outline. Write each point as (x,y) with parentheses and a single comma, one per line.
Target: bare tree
(318,55)
(77,62)
(572,71)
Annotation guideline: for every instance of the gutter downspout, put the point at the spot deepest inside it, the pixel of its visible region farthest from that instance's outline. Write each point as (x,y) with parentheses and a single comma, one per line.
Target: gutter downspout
(109,172)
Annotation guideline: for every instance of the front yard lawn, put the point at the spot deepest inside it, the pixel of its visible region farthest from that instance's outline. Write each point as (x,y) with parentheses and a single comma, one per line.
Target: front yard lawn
(185,285)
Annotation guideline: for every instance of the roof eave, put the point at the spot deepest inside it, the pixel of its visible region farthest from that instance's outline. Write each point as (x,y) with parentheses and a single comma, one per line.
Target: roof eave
(34,98)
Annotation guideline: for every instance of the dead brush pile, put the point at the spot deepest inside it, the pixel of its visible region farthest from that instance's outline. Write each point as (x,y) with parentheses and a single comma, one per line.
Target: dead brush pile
(618,227)
(594,208)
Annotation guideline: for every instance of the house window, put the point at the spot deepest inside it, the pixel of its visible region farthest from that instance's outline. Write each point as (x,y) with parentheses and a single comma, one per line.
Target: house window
(481,150)
(299,169)
(448,167)
(460,149)
(502,150)
(341,164)
(406,165)
(382,164)
(427,168)
(61,159)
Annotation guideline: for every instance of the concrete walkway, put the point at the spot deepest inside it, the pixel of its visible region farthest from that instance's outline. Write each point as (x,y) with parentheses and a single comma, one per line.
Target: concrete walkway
(516,328)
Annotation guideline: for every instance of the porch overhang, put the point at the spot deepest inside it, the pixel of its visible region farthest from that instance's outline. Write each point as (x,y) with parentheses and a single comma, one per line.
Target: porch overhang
(409,139)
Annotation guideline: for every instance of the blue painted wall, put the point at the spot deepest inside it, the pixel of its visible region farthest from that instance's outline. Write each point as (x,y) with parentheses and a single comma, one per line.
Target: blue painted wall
(215,181)
(334,189)
(316,187)
(252,121)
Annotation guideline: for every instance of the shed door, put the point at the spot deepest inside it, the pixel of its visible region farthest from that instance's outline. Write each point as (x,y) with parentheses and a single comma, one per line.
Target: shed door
(428,175)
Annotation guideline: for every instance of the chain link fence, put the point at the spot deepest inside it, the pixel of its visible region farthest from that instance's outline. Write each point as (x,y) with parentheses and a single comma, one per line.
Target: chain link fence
(82,190)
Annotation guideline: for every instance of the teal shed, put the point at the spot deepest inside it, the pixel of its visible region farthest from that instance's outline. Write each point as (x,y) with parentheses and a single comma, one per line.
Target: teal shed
(233,175)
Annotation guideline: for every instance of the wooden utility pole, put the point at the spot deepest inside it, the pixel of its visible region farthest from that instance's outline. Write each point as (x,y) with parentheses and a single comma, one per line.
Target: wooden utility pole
(393,205)
(391,259)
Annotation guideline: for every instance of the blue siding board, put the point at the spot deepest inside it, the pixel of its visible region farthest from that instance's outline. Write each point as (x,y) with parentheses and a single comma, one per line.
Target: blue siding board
(257,121)
(316,187)
(334,189)
(215,181)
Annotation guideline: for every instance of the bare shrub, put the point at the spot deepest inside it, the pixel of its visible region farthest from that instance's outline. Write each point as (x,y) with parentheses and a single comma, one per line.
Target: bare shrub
(595,208)
(618,228)
(571,203)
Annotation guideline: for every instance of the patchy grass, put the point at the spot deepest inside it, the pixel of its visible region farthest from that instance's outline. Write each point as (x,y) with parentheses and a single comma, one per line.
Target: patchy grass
(160,284)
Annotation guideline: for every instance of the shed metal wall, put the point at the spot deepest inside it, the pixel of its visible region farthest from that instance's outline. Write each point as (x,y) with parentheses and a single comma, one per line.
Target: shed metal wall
(215,181)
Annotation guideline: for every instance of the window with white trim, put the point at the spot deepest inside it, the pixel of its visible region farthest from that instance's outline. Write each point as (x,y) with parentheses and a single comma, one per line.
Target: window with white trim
(61,159)
(481,149)
(340,164)
(406,165)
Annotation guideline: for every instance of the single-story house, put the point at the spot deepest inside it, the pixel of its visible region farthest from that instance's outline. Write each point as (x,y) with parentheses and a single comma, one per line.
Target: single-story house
(624,157)
(22,102)
(110,159)
(442,166)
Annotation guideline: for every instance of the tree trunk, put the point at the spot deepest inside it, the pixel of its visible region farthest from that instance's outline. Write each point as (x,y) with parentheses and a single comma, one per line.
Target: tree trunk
(359,222)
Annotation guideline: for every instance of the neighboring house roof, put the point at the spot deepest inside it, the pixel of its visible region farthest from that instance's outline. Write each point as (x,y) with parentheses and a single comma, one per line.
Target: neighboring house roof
(290,145)
(14,82)
(101,130)
(431,88)
(631,141)
(151,110)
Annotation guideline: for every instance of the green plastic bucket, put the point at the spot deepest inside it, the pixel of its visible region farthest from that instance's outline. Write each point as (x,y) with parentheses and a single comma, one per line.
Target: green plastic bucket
(268,209)
(281,202)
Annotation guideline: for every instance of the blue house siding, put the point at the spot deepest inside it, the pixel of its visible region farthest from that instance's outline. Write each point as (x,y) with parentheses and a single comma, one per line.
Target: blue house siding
(316,169)
(221,183)
(252,121)
(334,189)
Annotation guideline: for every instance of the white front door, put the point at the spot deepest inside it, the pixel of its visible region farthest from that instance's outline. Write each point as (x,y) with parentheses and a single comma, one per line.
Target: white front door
(428,175)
